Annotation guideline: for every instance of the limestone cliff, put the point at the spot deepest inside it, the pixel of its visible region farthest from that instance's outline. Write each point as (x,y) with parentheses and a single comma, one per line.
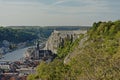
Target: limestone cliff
(57,38)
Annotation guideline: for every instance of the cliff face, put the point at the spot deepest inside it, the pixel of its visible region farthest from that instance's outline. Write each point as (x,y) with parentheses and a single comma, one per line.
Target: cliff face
(57,39)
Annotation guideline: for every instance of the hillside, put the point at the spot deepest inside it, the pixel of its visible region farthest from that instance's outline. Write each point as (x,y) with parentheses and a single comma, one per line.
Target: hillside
(93,56)
(51,27)
(16,35)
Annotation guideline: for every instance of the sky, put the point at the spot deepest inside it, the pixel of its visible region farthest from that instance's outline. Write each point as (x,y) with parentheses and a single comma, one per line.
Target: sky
(57,12)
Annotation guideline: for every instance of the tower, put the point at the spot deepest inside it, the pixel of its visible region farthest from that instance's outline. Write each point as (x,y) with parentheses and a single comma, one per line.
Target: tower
(37,45)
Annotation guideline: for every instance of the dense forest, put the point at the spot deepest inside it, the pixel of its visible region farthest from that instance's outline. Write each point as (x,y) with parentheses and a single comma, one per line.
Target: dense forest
(94,56)
(16,35)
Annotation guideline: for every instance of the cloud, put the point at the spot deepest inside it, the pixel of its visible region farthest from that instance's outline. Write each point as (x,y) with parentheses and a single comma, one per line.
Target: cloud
(78,7)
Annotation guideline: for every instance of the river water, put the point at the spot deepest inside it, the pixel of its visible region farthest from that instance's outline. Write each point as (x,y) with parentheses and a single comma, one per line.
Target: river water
(15,55)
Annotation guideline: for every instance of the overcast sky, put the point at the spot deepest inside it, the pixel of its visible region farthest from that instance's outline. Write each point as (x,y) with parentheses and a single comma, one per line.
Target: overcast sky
(57,12)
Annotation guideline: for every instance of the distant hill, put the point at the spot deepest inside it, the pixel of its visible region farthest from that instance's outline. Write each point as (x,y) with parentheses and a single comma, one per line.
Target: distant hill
(51,27)
(17,34)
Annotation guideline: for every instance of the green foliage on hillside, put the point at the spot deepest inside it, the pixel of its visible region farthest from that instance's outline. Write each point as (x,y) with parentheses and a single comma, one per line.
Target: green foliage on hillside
(16,35)
(99,59)
(23,35)
(107,29)
(56,70)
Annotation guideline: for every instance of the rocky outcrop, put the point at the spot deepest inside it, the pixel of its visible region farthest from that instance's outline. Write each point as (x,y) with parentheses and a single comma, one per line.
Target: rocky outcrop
(57,38)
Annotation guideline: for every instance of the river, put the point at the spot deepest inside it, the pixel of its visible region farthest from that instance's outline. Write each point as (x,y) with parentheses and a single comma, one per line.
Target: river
(15,55)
